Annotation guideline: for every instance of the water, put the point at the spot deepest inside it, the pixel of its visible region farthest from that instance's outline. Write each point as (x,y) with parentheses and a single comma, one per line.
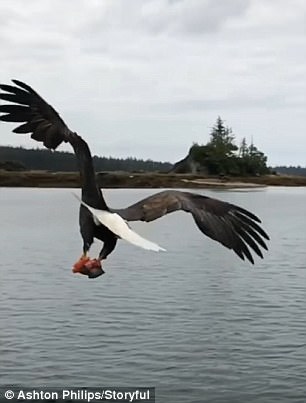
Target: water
(196,322)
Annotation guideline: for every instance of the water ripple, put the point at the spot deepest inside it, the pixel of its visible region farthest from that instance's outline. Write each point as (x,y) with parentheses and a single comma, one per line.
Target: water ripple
(195,322)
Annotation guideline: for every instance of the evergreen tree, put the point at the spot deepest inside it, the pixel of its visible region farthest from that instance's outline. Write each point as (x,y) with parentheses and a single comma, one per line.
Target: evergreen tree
(222,139)
(257,161)
(243,149)
(221,149)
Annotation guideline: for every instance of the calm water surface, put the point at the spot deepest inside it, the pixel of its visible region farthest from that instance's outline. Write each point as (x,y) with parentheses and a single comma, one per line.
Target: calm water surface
(196,322)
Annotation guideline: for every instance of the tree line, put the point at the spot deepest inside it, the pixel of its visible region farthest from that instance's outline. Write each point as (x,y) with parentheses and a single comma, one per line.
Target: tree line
(18,158)
(290,170)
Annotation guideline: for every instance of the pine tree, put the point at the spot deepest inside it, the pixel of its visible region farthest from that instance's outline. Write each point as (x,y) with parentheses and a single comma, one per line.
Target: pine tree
(243,149)
(222,139)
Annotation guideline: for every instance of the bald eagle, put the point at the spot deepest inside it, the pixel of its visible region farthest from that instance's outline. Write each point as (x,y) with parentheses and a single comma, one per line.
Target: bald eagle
(232,226)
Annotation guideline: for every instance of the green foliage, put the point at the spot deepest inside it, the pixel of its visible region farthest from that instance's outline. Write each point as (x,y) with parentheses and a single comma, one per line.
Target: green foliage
(42,159)
(200,153)
(252,161)
(221,156)
(12,166)
(222,140)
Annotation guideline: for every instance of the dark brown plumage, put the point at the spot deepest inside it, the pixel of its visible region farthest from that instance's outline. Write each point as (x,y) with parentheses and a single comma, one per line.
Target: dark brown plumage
(230,225)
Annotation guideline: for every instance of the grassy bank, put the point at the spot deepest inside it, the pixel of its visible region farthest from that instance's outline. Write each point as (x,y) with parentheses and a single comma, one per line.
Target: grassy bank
(141,180)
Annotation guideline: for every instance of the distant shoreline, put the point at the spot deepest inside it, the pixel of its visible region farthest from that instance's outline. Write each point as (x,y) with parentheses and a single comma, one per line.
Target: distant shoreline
(143,180)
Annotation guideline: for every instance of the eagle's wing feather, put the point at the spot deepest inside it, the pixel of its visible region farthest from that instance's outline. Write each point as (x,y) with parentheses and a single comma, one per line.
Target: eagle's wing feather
(45,125)
(231,225)
(38,117)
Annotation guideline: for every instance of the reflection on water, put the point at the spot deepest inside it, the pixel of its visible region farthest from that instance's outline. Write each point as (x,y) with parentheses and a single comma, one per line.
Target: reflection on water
(196,322)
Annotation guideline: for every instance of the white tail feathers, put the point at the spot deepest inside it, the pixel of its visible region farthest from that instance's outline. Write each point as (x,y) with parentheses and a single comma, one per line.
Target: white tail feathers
(119,227)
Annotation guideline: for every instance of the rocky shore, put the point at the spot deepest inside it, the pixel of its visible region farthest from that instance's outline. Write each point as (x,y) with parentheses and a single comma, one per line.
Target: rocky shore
(142,180)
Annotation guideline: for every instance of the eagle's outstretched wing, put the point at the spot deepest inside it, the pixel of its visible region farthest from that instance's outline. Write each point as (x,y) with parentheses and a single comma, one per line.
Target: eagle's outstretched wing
(232,226)
(37,116)
(44,123)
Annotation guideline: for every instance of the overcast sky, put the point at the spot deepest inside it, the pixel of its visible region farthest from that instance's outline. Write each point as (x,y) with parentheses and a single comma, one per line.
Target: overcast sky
(147,78)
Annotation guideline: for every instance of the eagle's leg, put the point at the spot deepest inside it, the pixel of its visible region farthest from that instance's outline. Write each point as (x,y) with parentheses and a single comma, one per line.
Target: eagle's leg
(108,247)
(96,264)
(79,266)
